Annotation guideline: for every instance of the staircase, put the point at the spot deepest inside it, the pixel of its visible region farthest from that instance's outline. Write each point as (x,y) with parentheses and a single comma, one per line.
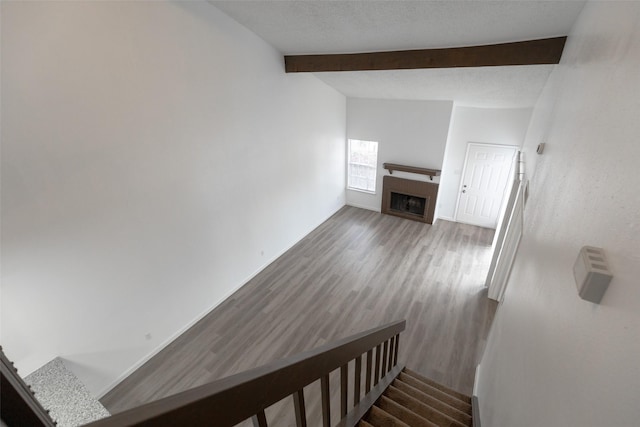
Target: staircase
(415,401)
(383,392)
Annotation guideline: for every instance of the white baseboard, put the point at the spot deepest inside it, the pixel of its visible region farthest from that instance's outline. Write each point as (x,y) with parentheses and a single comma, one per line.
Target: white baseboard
(475,404)
(199,317)
(475,380)
(161,346)
(475,411)
(369,208)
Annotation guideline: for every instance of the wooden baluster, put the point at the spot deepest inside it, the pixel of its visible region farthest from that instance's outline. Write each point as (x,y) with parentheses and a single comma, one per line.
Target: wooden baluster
(385,350)
(356,380)
(390,355)
(395,352)
(259,420)
(376,371)
(326,401)
(298,404)
(344,386)
(367,387)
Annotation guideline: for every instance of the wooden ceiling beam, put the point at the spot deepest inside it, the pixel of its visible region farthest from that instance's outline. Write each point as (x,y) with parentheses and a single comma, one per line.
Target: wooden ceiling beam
(531,52)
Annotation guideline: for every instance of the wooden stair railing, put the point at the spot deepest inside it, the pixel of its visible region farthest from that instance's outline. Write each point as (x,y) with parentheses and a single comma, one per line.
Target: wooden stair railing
(231,400)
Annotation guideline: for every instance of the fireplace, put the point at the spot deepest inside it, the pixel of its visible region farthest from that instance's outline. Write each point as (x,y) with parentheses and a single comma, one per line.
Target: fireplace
(411,205)
(409,199)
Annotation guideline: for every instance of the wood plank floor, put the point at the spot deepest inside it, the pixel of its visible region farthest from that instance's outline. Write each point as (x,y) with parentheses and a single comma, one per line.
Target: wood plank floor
(358,270)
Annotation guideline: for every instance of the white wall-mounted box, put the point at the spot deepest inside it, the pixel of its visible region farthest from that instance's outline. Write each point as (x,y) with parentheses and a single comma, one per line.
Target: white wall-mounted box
(592,273)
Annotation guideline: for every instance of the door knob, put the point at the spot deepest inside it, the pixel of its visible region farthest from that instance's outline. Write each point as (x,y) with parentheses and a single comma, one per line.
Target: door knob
(464,191)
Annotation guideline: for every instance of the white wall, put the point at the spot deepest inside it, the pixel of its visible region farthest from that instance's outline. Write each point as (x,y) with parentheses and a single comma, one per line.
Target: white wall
(411,133)
(154,157)
(500,126)
(553,359)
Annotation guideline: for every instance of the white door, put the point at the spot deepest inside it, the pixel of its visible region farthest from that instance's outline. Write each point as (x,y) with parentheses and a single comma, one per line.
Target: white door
(487,170)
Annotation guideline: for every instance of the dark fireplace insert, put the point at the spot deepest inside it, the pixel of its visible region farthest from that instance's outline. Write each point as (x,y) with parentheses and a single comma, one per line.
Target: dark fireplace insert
(405,203)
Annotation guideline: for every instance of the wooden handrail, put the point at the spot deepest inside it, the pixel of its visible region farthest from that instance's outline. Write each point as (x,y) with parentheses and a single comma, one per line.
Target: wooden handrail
(228,401)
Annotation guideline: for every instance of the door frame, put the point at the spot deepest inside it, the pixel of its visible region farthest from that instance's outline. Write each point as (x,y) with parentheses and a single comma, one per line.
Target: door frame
(464,171)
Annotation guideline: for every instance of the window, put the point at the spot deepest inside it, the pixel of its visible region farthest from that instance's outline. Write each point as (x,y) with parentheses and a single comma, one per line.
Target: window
(362,165)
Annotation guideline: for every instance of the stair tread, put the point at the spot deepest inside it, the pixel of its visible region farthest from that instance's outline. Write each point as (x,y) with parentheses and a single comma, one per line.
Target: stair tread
(63,395)
(403,413)
(363,423)
(436,393)
(381,418)
(428,407)
(443,388)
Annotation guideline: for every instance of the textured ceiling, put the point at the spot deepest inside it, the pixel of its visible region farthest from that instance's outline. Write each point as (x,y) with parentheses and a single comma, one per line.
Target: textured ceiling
(488,87)
(339,26)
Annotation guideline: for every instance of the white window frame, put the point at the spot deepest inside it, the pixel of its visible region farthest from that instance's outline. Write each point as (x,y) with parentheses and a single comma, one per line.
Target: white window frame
(370,163)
